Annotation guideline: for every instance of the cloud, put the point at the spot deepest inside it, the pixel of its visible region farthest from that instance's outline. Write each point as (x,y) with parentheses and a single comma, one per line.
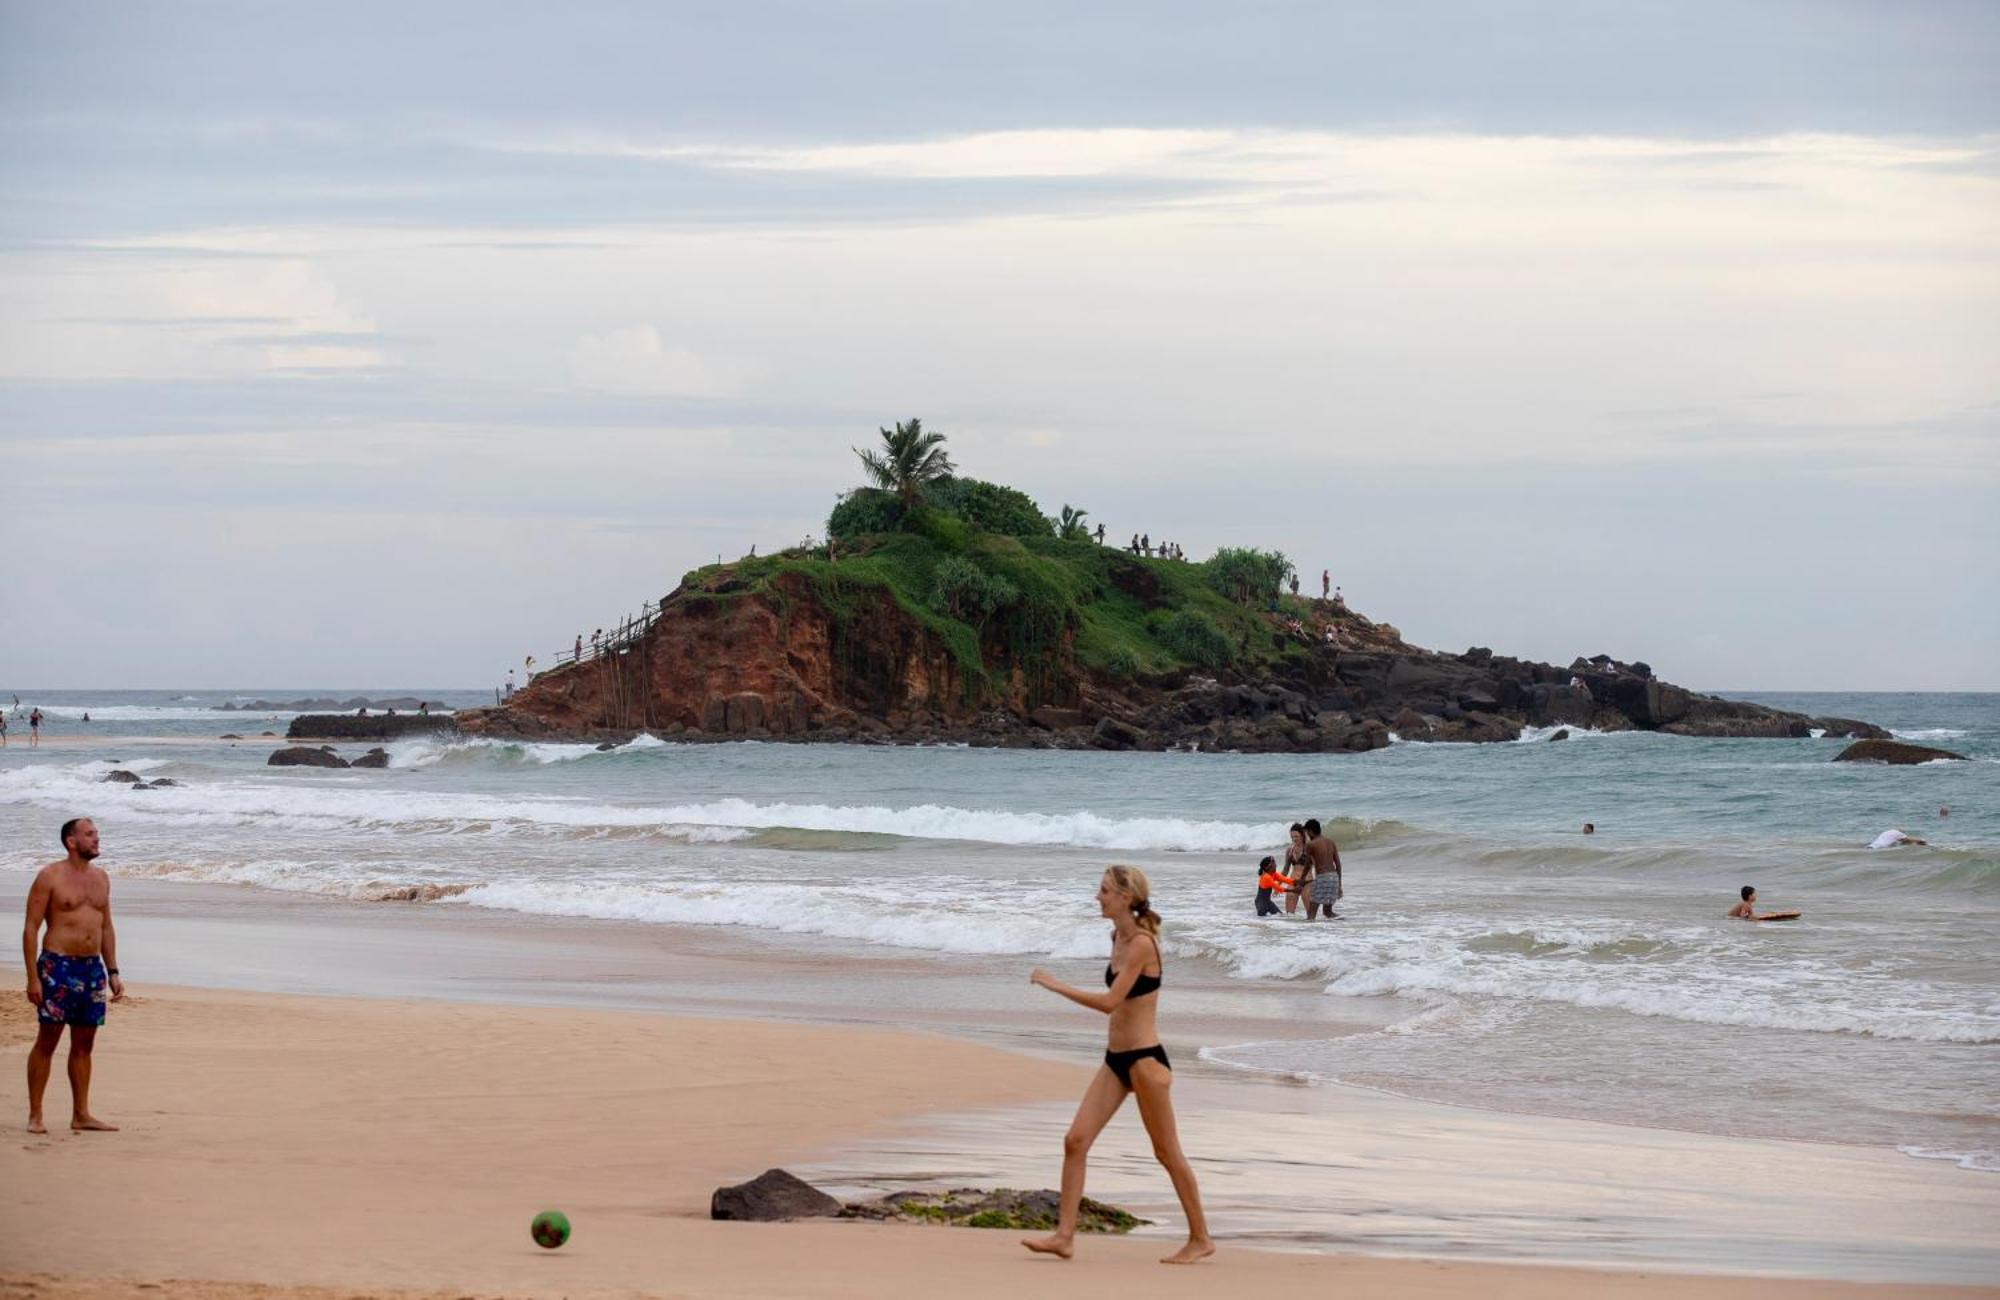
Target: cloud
(634,360)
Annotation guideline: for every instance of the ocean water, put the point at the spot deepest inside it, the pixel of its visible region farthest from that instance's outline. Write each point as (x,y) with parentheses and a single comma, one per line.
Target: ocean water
(1508,961)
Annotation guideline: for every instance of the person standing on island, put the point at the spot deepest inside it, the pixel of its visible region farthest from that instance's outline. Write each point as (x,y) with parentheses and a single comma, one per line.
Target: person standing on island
(1325,582)
(1325,889)
(68,979)
(1134,1063)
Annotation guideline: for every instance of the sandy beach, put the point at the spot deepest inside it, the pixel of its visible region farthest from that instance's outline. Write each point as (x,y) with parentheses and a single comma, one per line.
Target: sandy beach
(274,1144)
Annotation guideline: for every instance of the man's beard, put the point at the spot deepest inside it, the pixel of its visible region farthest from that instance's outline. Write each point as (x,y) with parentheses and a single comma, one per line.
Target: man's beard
(88,855)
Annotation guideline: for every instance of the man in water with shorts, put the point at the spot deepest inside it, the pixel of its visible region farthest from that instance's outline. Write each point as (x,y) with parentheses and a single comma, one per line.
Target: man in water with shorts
(68,981)
(1325,890)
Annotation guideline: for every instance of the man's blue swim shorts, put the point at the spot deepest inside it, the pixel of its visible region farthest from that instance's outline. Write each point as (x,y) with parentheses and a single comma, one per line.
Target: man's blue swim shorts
(74,989)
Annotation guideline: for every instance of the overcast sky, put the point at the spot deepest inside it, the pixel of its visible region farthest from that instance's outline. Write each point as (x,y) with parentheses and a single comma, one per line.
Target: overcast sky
(373,345)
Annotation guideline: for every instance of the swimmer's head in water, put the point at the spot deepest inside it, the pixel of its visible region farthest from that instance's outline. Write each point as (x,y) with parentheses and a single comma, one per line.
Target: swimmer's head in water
(1749,892)
(1590,828)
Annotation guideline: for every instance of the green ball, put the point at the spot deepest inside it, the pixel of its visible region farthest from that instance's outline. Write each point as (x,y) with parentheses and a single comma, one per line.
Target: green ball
(550,1229)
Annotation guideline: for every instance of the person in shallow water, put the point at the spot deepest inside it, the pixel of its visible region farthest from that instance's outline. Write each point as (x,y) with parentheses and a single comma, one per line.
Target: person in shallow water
(1324,889)
(1134,1062)
(1268,879)
(1298,866)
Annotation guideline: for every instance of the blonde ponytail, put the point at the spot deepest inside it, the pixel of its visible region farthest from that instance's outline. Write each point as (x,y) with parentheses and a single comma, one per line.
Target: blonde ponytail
(1132,883)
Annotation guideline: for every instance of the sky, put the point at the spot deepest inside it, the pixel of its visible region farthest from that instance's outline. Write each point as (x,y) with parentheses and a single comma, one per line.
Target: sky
(380,345)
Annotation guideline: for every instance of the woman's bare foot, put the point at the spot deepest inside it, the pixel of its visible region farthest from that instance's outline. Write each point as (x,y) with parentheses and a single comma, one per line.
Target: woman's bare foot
(1061,1247)
(1188,1254)
(35,1124)
(91,1124)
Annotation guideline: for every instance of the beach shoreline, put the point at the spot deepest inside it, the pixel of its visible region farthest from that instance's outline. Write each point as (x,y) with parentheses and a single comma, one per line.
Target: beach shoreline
(268,1137)
(390,1013)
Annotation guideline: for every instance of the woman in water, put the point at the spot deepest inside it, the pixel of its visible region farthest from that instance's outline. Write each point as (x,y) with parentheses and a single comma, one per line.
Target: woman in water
(1134,1062)
(1299,866)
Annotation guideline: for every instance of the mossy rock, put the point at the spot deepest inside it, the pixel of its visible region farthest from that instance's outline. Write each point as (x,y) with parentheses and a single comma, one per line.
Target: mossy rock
(969,1207)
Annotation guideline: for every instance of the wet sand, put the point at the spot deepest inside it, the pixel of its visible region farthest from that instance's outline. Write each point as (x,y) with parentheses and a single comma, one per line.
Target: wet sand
(394,1145)
(401,1147)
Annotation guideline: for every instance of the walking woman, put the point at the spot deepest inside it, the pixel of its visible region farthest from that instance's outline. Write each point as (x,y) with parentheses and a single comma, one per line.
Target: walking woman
(1134,1062)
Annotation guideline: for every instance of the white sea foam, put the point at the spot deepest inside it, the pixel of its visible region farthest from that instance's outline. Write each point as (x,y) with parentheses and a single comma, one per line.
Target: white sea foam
(1679,998)
(1987,1162)
(1928,733)
(336,801)
(1536,735)
(892,916)
(158,713)
(420,752)
(327,801)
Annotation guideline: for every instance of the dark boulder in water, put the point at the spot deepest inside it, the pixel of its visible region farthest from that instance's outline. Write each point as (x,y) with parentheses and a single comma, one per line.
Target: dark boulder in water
(123,777)
(303,756)
(377,757)
(1561,735)
(1894,752)
(771,1195)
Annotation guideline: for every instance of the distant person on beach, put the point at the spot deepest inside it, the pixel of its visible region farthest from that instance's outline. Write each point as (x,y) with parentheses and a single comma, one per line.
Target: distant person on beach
(579,646)
(1268,879)
(1134,1062)
(3,728)
(77,963)
(1893,838)
(1325,580)
(1325,888)
(1944,811)
(1298,866)
(35,728)
(1100,534)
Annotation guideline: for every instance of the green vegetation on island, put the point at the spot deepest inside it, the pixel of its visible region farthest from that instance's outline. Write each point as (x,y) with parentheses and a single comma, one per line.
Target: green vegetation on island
(1007,589)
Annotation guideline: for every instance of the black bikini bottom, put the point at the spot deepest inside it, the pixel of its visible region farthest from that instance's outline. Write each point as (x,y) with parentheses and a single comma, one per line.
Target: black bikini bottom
(1121,1063)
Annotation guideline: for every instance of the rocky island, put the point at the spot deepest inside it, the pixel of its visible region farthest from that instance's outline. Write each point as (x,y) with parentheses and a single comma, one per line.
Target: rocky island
(945,609)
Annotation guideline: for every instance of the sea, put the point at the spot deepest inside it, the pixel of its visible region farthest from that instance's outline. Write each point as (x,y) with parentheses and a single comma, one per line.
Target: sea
(1487,954)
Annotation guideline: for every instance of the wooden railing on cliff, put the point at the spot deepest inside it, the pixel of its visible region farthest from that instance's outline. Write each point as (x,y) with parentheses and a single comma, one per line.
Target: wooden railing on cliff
(623,663)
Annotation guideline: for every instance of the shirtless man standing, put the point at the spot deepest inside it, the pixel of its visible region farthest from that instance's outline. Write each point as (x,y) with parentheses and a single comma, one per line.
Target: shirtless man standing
(67,981)
(1325,890)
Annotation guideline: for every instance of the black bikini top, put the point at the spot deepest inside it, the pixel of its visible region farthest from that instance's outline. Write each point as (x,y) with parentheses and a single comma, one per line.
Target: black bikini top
(1140,987)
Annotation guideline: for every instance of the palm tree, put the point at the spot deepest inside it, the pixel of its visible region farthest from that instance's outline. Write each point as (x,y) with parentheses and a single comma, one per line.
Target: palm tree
(910,461)
(1069,525)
